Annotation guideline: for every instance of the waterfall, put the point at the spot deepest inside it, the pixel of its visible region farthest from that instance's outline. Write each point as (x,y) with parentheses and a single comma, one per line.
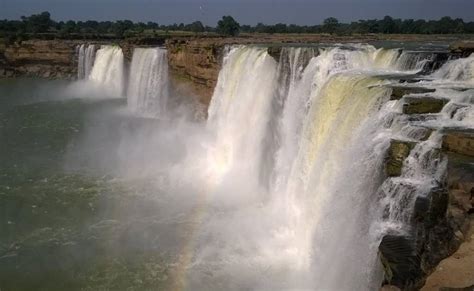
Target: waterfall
(240,107)
(296,192)
(457,70)
(148,85)
(108,70)
(86,57)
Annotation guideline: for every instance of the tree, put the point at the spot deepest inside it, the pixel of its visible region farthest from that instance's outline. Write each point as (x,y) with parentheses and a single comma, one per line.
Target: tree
(387,25)
(330,25)
(196,26)
(228,26)
(38,23)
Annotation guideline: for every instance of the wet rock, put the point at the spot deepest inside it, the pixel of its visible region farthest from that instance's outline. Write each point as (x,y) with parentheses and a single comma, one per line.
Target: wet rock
(463,48)
(400,261)
(460,141)
(399,91)
(440,223)
(396,155)
(422,105)
(275,52)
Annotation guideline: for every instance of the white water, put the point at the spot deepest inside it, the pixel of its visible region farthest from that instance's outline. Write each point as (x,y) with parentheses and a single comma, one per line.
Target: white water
(288,169)
(320,123)
(457,70)
(148,83)
(108,71)
(86,57)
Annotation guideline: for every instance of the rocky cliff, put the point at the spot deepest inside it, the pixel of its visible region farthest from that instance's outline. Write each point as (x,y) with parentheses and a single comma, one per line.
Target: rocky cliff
(39,58)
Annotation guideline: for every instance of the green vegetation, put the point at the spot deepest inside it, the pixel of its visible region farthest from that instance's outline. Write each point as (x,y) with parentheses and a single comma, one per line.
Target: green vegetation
(42,26)
(228,26)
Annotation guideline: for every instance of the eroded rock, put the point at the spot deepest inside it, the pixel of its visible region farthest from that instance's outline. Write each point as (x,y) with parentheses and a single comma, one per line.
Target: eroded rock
(396,155)
(399,91)
(460,141)
(423,105)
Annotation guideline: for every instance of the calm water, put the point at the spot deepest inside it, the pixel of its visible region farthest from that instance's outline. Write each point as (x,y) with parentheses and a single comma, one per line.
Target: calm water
(68,218)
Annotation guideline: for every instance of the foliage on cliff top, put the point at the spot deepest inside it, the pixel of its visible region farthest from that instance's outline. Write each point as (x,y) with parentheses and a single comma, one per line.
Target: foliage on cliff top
(39,25)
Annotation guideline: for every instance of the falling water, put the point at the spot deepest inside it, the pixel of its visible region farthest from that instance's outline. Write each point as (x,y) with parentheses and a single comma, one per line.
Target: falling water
(294,193)
(457,70)
(320,121)
(108,70)
(86,57)
(148,84)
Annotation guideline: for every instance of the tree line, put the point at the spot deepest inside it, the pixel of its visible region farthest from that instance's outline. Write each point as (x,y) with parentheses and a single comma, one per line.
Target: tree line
(42,24)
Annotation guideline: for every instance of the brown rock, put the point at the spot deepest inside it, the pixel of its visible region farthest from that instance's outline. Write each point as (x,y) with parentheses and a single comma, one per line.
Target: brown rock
(459,141)
(422,105)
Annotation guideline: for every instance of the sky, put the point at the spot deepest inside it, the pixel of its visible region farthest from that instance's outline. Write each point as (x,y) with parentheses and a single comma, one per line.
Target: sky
(302,12)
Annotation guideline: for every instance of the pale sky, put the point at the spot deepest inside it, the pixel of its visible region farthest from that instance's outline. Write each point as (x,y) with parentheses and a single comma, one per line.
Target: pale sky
(245,11)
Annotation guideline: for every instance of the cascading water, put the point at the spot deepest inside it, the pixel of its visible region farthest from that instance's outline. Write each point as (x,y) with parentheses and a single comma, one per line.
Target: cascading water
(319,122)
(294,195)
(108,70)
(86,57)
(457,70)
(148,84)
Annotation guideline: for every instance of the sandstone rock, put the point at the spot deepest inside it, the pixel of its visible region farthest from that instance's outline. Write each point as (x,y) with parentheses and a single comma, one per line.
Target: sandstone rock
(396,155)
(399,91)
(422,105)
(198,62)
(459,141)
(464,48)
(440,224)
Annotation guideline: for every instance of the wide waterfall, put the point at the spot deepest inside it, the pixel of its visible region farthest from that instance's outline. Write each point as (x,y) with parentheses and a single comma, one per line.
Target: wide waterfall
(305,138)
(148,83)
(86,57)
(108,70)
(285,185)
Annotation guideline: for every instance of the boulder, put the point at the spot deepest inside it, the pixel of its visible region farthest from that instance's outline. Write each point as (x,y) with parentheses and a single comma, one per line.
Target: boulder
(396,155)
(422,105)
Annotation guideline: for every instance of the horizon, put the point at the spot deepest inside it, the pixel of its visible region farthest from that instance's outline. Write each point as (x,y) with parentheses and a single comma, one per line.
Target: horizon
(299,12)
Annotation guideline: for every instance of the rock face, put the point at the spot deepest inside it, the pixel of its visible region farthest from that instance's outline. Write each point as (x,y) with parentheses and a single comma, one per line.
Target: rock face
(422,105)
(41,58)
(459,141)
(196,62)
(464,48)
(399,91)
(440,220)
(397,153)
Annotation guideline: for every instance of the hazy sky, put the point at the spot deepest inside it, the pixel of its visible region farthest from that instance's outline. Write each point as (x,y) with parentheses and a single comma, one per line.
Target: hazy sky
(245,11)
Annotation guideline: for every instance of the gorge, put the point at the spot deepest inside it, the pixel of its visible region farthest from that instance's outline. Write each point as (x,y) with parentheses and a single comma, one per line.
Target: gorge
(323,166)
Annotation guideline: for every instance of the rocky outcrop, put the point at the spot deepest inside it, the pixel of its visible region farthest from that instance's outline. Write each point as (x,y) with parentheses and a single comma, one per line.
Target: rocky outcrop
(440,220)
(400,91)
(196,62)
(422,105)
(463,48)
(396,155)
(460,141)
(40,58)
